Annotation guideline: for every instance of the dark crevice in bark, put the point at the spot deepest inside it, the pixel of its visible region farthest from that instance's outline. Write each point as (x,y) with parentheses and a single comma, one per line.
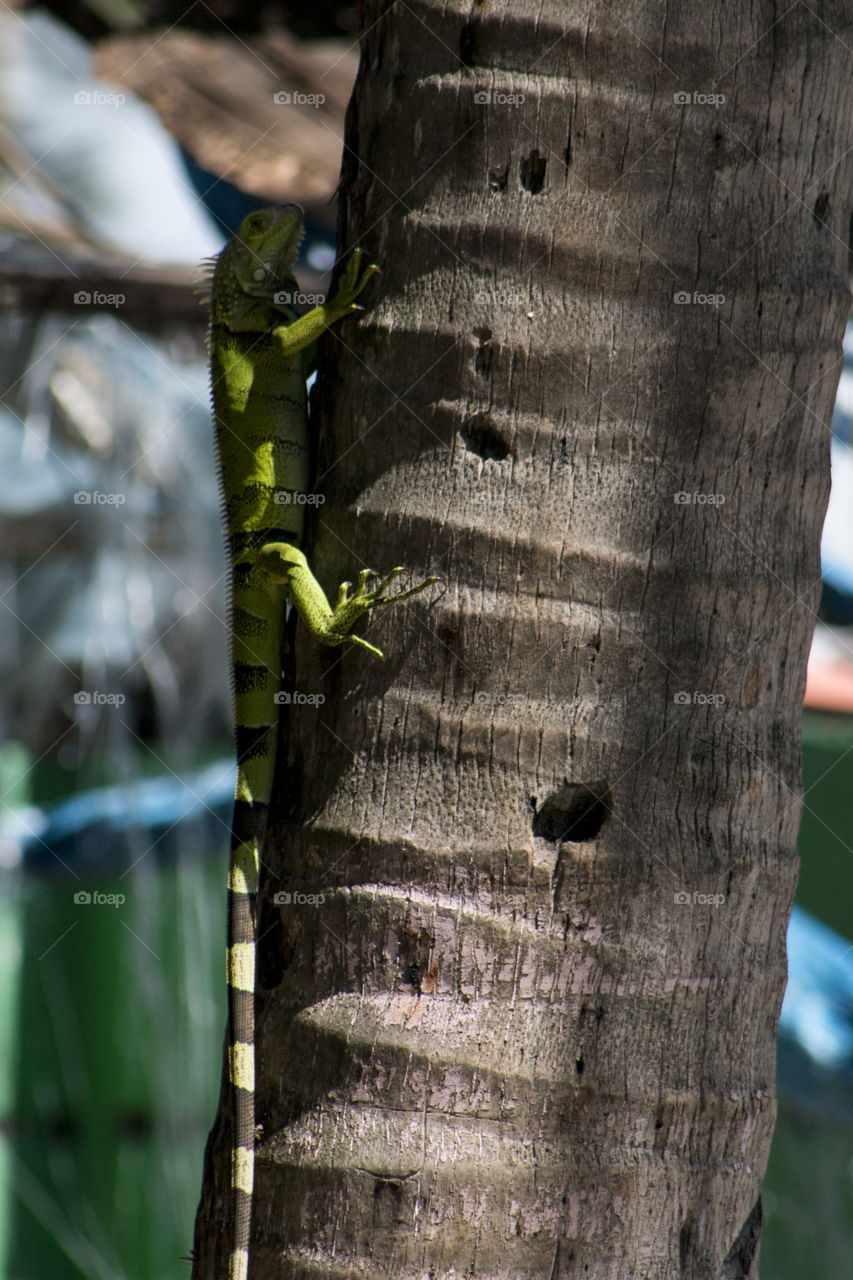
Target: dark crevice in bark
(482,438)
(467,41)
(741,1261)
(483,358)
(272,960)
(685,1238)
(576,812)
(532,172)
(821,207)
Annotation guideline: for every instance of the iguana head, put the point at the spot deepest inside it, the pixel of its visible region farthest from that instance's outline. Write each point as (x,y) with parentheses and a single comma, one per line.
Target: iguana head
(253,275)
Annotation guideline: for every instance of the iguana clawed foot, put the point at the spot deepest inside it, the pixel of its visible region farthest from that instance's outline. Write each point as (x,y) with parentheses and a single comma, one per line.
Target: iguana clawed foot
(349,608)
(352,282)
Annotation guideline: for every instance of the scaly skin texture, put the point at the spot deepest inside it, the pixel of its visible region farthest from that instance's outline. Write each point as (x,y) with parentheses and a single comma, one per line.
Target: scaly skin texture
(258,372)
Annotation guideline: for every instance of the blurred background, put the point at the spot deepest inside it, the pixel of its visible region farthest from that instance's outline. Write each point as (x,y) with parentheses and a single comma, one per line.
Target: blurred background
(134,136)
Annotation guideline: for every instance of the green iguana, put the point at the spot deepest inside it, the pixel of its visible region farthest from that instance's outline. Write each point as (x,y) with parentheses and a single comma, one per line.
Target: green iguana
(259,365)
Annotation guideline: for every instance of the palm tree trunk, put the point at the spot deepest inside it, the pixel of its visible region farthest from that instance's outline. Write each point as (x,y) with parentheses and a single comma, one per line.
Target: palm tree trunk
(529,1031)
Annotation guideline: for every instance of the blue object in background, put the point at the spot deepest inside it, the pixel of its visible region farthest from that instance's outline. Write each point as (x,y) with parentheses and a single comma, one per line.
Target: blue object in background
(91,832)
(815,1048)
(836,549)
(228,206)
(102,161)
(817,1013)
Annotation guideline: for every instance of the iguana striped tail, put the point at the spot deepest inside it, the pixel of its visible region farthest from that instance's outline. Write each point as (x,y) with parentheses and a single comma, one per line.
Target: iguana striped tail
(246,840)
(255,642)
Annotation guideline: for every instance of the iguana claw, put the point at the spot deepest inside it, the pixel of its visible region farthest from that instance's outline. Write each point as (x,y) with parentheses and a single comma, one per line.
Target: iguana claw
(350,286)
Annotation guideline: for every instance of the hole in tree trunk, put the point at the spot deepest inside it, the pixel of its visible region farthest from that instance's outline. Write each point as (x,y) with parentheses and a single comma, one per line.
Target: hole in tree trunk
(576,812)
(480,437)
(532,172)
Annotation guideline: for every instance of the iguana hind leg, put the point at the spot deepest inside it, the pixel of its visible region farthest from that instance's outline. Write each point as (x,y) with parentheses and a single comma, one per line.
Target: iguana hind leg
(287,564)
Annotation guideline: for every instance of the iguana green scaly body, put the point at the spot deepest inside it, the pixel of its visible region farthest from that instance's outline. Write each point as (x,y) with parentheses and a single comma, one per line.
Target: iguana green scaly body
(258,373)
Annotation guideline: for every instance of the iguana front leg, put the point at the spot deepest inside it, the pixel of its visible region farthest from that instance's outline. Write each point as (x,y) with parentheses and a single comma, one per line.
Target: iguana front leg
(288,566)
(295,336)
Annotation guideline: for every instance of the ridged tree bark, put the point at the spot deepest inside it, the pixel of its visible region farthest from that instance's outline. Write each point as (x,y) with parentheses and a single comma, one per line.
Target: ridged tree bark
(529,1031)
